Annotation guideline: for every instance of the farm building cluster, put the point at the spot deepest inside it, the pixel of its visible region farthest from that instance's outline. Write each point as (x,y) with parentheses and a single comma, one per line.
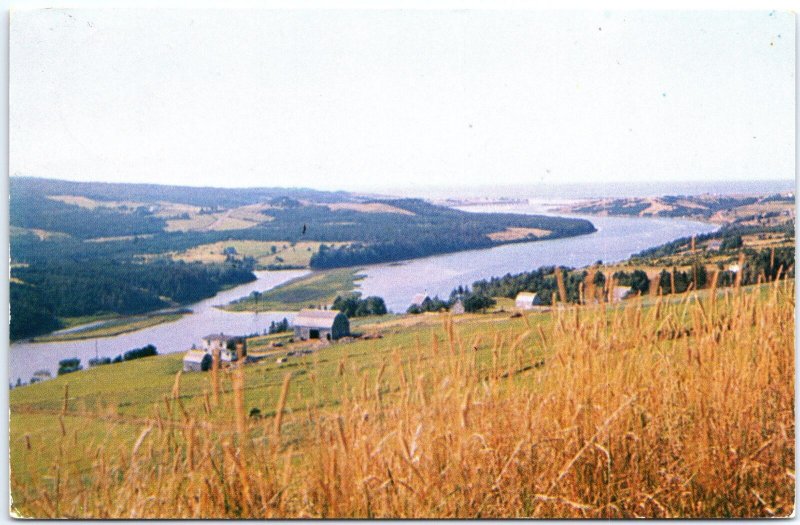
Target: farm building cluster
(532,300)
(326,325)
(230,348)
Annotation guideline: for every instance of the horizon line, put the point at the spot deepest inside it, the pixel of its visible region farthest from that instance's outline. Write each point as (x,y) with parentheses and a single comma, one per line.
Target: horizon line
(368,188)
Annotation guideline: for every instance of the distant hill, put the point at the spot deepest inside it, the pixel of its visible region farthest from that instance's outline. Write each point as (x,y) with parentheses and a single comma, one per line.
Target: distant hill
(106,211)
(196,196)
(763,210)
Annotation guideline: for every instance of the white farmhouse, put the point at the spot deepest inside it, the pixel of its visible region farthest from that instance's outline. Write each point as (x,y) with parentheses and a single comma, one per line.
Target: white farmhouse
(226,344)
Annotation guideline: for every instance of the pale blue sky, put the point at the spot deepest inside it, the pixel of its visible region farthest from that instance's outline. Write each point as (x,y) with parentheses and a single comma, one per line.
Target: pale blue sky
(369,99)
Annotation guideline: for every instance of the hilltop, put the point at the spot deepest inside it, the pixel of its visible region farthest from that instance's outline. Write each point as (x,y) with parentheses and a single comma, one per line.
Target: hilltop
(744,210)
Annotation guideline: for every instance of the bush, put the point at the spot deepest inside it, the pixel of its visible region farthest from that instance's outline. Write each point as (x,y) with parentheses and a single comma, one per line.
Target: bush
(429,305)
(67,366)
(281,326)
(354,306)
(637,280)
(138,353)
(478,303)
(733,242)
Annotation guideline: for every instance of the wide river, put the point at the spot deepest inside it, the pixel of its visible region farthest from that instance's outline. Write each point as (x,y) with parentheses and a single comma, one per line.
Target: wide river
(616,239)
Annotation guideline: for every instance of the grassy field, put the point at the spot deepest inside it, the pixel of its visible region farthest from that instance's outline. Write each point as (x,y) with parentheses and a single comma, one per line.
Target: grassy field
(70,322)
(260,344)
(683,408)
(266,253)
(318,288)
(110,328)
(43,235)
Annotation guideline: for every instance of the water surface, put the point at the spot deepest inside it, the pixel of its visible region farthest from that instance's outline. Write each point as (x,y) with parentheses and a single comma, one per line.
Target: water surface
(25,357)
(616,239)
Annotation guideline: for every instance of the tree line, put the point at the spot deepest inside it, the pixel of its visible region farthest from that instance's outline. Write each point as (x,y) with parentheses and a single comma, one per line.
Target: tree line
(355,306)
(763,264)
(42,293)
(472,301)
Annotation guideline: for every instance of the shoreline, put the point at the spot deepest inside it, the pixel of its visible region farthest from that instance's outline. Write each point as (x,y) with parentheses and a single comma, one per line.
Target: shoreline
(109,328)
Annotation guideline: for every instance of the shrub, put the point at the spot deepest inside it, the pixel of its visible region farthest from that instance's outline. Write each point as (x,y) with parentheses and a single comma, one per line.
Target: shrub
(67,366)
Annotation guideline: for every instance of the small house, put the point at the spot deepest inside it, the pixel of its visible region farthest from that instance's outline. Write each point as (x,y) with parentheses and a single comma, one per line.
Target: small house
(229,346)
(457,308)
(618,293)
(715,245)
(321,324)
(218,341)
(197,360)
(527,300)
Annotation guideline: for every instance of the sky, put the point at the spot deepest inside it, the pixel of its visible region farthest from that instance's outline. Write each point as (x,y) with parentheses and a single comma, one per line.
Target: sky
(374,99)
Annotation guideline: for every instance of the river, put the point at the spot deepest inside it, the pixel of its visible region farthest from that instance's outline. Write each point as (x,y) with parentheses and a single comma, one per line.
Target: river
(26,357)
(616,239)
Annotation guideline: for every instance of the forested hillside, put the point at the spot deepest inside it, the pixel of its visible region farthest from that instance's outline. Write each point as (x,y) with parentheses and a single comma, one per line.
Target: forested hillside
(86,248)
(756,254)
(50,289)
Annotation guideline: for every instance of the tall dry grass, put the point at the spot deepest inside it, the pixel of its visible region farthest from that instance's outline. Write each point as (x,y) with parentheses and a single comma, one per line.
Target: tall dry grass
(679,409)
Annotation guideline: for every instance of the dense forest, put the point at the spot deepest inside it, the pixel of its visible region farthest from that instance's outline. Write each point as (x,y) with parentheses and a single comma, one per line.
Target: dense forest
(57,288)
(434,230)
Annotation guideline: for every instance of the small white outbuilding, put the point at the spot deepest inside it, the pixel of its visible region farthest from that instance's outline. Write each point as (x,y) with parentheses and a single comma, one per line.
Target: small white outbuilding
(197,360)
(527,300)
(619,293)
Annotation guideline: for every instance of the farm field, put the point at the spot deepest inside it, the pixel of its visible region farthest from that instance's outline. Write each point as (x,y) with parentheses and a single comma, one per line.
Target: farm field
(761,210)
(70,322)
(319,288)
(679,408)
(268,254)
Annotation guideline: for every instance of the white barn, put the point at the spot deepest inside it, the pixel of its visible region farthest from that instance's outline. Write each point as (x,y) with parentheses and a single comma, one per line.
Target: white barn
(527,300)
(619,293)
(321,324)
